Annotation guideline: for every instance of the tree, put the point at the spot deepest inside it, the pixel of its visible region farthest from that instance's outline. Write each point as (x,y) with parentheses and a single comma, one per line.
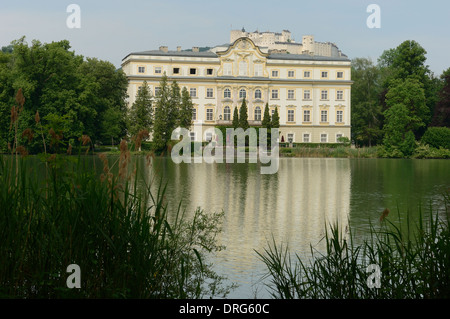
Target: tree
(275,119)
(366,116)
(111,125)
(410,94)
(168,101)
(140,116)
(441,115)
(406,114)
(235,122)
(186,109)
(243,116)
(408,61)
(266,122)
(61,85)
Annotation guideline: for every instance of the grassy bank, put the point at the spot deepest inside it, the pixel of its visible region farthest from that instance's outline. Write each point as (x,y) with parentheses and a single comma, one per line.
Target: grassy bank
(125,241)
(333,152)
(413,259)
(421,152)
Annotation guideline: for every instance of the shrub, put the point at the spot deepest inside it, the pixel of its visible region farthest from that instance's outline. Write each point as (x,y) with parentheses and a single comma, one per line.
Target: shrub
(437,137)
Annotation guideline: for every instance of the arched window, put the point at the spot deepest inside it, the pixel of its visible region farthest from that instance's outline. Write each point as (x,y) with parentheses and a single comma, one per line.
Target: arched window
(227,93)
(257,113)
(258,94)
(242,94)
(227,113)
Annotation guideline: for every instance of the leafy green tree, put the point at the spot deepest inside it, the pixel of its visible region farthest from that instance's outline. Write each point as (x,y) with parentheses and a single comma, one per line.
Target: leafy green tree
(235,122)
(111,125)
(57,83)
(140,116)
(406,114)
(186,109)
(404,62)
(243,116)
(106,90)
(266,122)
(366,116)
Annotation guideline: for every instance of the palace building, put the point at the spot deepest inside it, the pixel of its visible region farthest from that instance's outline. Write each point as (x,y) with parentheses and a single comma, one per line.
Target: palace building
(311,92)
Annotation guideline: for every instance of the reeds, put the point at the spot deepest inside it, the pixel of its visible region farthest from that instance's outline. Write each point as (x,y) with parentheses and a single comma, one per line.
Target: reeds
(120,237)
(61,212)
(413,258)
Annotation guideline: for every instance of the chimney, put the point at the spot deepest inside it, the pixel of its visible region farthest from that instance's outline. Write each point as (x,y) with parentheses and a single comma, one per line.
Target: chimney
(178,49)
(163,49)
(195,49)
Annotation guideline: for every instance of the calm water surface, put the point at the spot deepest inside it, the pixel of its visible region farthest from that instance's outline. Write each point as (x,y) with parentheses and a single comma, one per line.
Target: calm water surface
(294,204)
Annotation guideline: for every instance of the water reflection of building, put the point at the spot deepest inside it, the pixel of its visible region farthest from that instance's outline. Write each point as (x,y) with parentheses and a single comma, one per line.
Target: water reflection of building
(292,206)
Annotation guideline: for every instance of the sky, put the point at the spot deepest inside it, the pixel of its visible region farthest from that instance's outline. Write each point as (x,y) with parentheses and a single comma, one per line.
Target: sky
(110,30)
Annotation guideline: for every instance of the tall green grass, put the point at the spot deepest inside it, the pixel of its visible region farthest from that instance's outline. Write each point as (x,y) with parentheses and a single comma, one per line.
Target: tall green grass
(413,257)
(119,233)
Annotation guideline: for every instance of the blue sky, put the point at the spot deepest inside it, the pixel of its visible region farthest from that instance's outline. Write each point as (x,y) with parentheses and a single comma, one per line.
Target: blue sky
(112,29)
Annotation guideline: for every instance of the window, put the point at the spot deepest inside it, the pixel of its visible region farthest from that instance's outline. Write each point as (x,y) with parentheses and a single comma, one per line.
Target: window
(291,94)
(290,138)
(274,94)
(291,74)
(307,74)
(290,116)
(339,95)
(324,95)
(307,95)
(192,71)
(193,92)
(158,70)
(227,93)
(243,68)
(306,116)
(339,116)
(340,75)
(176,70)
(324,116)
(227,113)
(257,113)
(194,114)
(338,136)
(258,94)
(324,74)
(141,69)
(227,69)
(258,69)
(157,90)
(242,94)
(306,138)
(209,71)
(192,136)
(275,73)
(209,114)
(323,138)
(209,92)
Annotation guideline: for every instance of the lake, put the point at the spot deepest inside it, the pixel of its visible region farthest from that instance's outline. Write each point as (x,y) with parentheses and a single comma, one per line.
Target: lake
(293,205)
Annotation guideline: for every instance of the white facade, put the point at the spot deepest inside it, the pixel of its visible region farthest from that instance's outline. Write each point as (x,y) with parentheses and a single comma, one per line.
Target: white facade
(312,94)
